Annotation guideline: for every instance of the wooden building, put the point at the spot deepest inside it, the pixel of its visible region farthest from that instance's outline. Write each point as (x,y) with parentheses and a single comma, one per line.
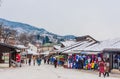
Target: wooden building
(11,50)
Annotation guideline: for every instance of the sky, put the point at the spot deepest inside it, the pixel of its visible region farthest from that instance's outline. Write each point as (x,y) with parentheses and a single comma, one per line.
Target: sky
(98,18)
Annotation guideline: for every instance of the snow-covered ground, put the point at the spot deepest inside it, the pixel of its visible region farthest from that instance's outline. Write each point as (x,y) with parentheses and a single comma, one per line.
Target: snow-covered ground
(47,72)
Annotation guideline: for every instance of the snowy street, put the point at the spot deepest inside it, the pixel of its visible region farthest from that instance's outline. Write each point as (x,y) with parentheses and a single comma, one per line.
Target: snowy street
(47,72)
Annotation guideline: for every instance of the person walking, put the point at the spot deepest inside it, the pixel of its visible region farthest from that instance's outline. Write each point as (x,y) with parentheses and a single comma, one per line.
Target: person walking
(29,61)
(44,60)
(101,68)
(55,63)
(48,60)
(34,59)
(18,59)
(107,69)
(39,61)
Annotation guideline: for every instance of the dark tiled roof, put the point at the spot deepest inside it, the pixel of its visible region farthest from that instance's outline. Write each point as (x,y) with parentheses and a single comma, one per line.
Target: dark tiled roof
(6,48)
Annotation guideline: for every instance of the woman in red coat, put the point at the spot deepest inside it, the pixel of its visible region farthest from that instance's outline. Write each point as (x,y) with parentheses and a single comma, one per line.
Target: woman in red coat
(101,68)
(18,59)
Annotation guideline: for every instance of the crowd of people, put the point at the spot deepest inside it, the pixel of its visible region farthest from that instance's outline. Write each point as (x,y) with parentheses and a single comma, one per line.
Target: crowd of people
(38,60)
(83,62)
(74,61)
(51,60)
(89,62)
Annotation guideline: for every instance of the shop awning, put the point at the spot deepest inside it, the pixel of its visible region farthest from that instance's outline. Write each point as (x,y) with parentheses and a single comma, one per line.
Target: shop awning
(21,46)
(5,48)
(112,50)
(90,53)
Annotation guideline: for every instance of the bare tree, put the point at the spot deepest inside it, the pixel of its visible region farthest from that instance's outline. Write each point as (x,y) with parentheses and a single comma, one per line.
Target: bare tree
(6,33)
(31,38)
(2,35)
(1,29)
(23,38)
(11,35)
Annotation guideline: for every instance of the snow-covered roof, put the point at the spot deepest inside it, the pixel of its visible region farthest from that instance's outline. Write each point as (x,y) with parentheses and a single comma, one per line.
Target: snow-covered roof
(79,47)
(87,46)
(113,43)
(83,46)
(68,43)
(57,47)
(69,47)
(21,46)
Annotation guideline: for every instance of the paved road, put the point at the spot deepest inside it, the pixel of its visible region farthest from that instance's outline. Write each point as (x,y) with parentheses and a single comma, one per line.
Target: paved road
(46,72)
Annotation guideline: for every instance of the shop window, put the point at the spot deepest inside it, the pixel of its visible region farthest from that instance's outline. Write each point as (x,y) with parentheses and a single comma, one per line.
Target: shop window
(5,57)
(116,61)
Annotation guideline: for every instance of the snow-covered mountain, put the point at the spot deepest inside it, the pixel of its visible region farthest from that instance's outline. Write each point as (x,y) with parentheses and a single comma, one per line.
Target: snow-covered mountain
(29,29)
(21,27)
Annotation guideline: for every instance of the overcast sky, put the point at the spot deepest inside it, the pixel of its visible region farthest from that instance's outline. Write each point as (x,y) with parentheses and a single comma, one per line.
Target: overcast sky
(98,18)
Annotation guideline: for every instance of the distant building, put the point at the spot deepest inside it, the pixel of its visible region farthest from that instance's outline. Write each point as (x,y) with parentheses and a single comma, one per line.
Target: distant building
(32,47)
(47,47)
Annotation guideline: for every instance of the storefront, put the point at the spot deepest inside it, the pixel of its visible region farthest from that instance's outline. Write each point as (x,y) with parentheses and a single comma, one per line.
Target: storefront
(7,53)
(113,55)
